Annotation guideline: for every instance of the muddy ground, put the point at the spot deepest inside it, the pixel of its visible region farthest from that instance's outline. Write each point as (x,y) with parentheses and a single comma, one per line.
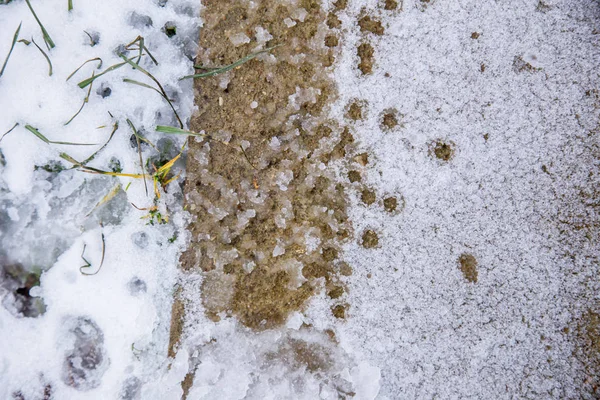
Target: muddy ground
(268,214)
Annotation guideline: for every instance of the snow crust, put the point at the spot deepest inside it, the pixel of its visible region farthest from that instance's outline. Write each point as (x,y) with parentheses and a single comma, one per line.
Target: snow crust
(508,195)
(102,336)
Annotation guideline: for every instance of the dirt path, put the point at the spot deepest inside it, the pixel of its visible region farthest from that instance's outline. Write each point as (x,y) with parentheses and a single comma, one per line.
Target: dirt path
(268,214)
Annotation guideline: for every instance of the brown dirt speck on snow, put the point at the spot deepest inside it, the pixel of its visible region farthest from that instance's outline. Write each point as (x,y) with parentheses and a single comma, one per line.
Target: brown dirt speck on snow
(340,4)
(520,65)
(368,24)
(389,120)
(355,111)
(362,159)
(367,196)
(339,311)
(366,54)
(336,292)
(390,5)
(331,41)
(390,204)
(468,266)
(370,239)
(442,150)
(354,176)
(333,21)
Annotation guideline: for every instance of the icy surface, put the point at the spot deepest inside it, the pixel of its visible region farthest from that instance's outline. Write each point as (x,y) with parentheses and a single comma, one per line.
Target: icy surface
(101,331)
(511,86)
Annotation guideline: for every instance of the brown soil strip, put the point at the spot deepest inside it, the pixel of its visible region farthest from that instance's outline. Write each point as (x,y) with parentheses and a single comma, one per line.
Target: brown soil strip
(267,221)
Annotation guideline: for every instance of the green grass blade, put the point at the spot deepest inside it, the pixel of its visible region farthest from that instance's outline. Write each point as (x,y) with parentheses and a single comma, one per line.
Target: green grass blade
(150,55)
(12,46)
(70,5)
(78,111)
(91,170)
(47,141)
(88,265)
(177,131)
(45,55)
(88,81)
(137,139)
(47,39)
(85,101)
(9,131)
(37,133)
(162,90)
(229,67)
(85,62)
(142,84)
(90,158)
(92,42)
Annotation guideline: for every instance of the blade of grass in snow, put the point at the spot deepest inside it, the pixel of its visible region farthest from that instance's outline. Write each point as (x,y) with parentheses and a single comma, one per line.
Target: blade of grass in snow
(88,81)
(229,67)
(140,42)
(85,101)
(162,90)
(113,192)
(81,66)
(126,80)
(137,139)
(176,131)
(47,141)
(90,158)
(92,41)
(162,172)
(70,5)
(9,131)
(92,170)
(88,265)
(47,38)
(150,55)
(12,46)
(45,55)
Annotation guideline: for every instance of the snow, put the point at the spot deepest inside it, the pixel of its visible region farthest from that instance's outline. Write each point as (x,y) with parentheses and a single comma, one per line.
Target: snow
(117,320)
(433,333)
(521,127)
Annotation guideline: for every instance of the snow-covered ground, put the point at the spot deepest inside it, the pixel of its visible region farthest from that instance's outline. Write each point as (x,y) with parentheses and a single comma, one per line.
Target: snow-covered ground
(101,335)
(509,87)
